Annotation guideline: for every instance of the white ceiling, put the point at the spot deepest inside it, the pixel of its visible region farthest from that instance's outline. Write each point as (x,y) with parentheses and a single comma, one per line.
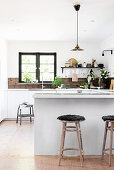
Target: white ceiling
(56,19)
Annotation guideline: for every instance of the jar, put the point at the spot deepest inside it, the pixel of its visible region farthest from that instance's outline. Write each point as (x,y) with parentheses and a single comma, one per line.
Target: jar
(84,64)
(67,64)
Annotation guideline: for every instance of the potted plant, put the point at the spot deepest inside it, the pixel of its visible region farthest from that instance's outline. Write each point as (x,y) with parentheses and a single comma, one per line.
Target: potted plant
(90,78)
(84,85)
(104,74)
(91,75)
(27,77)
(57,82)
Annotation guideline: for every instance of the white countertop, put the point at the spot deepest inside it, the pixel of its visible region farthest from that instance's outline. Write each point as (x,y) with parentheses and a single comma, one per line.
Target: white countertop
(74,93)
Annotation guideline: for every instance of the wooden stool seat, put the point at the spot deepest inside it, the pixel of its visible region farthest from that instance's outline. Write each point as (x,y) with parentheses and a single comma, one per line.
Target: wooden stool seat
(109,126)
(75,119)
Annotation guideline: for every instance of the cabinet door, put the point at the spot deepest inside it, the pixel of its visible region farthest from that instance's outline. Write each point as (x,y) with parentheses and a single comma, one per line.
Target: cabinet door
(15,98)
(3,104)
(0,106)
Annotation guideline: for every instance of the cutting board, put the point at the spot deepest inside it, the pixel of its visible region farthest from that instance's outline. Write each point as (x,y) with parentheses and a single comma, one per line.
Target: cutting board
(74,77)
(112,84)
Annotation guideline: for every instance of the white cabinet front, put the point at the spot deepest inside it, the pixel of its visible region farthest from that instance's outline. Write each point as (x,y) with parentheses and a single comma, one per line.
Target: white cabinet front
(3,104)
(16,97)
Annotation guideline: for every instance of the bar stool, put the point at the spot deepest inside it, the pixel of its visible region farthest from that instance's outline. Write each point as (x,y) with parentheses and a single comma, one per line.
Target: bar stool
(109,125)
(76,128)
(21,114)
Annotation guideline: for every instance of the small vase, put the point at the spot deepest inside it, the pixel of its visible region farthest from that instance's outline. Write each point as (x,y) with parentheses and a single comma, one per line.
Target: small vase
(102,83)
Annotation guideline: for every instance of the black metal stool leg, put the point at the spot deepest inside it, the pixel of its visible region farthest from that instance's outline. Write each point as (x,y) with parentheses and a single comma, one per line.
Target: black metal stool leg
(30,114)
(17,115)
(20,117)
(32,111)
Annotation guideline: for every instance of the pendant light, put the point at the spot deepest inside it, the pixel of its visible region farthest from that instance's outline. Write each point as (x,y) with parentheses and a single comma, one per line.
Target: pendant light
(77,48)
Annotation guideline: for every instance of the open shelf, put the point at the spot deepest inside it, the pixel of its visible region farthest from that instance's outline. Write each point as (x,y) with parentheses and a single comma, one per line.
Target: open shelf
(81,67)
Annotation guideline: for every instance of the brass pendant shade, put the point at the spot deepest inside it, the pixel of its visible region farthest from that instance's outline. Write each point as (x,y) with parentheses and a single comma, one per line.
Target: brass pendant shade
(77,48)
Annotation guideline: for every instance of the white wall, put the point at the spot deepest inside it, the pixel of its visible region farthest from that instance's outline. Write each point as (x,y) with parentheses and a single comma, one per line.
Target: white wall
(108,44)
(3,79)
(3,64)
(63,49)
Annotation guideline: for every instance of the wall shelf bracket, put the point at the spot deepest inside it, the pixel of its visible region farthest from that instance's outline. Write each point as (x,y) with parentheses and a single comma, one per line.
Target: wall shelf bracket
(105,51)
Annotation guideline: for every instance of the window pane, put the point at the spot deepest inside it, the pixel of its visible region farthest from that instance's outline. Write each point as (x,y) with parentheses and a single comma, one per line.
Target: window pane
(47,76)
(46,68)
(28,59)
(28,68)
(46,59)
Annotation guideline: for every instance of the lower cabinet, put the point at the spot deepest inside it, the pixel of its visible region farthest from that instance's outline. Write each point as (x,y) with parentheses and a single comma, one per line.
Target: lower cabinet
(16,97)
(3,104)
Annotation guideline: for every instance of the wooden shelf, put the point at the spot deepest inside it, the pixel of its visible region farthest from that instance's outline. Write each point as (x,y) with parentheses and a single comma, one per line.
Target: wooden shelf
(81,67)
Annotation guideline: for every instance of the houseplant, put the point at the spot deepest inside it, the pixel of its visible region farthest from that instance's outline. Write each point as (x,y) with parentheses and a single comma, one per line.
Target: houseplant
(27,77)
(90,78)
(104,74)
(57,82)
(84,85)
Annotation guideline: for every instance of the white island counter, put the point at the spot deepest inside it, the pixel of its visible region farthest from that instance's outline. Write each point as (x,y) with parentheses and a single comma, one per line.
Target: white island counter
(92,104)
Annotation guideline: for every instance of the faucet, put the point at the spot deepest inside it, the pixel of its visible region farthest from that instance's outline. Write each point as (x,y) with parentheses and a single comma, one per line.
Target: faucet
(42,82)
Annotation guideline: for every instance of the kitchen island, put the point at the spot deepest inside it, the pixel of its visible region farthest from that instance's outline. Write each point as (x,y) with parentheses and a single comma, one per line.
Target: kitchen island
(92,104)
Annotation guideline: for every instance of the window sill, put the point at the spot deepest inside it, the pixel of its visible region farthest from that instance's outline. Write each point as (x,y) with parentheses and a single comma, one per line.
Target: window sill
(33,83)
(13,83)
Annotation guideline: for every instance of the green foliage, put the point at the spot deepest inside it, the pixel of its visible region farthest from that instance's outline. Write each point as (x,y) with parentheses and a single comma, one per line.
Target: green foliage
(57,82)
(84,84)
(104,74)
(92,75)
(27,77)
(65,87)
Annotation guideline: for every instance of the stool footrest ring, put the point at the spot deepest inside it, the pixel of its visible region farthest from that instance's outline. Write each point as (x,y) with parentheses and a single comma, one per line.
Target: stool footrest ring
(105,153)
(108,149)
(70,127)
(70,149)
(73,130)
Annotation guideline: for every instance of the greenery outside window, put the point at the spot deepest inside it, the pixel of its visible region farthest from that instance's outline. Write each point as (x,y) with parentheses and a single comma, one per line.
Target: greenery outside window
(35,67)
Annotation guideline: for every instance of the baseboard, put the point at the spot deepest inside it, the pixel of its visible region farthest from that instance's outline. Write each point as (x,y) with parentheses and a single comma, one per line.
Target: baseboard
(14,119)
(56,156)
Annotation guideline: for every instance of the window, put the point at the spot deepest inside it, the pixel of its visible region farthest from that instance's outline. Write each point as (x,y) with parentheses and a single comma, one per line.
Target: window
(35,67)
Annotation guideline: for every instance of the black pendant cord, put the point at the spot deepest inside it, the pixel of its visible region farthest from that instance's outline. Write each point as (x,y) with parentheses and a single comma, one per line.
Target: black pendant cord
(77,27)
(77,48)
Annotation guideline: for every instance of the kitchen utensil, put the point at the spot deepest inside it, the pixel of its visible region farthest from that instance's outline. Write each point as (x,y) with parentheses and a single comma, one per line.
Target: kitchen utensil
(100,65)
(88,65)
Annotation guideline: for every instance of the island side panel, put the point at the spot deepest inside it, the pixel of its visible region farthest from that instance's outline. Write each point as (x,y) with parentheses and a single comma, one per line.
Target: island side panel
(48,128)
